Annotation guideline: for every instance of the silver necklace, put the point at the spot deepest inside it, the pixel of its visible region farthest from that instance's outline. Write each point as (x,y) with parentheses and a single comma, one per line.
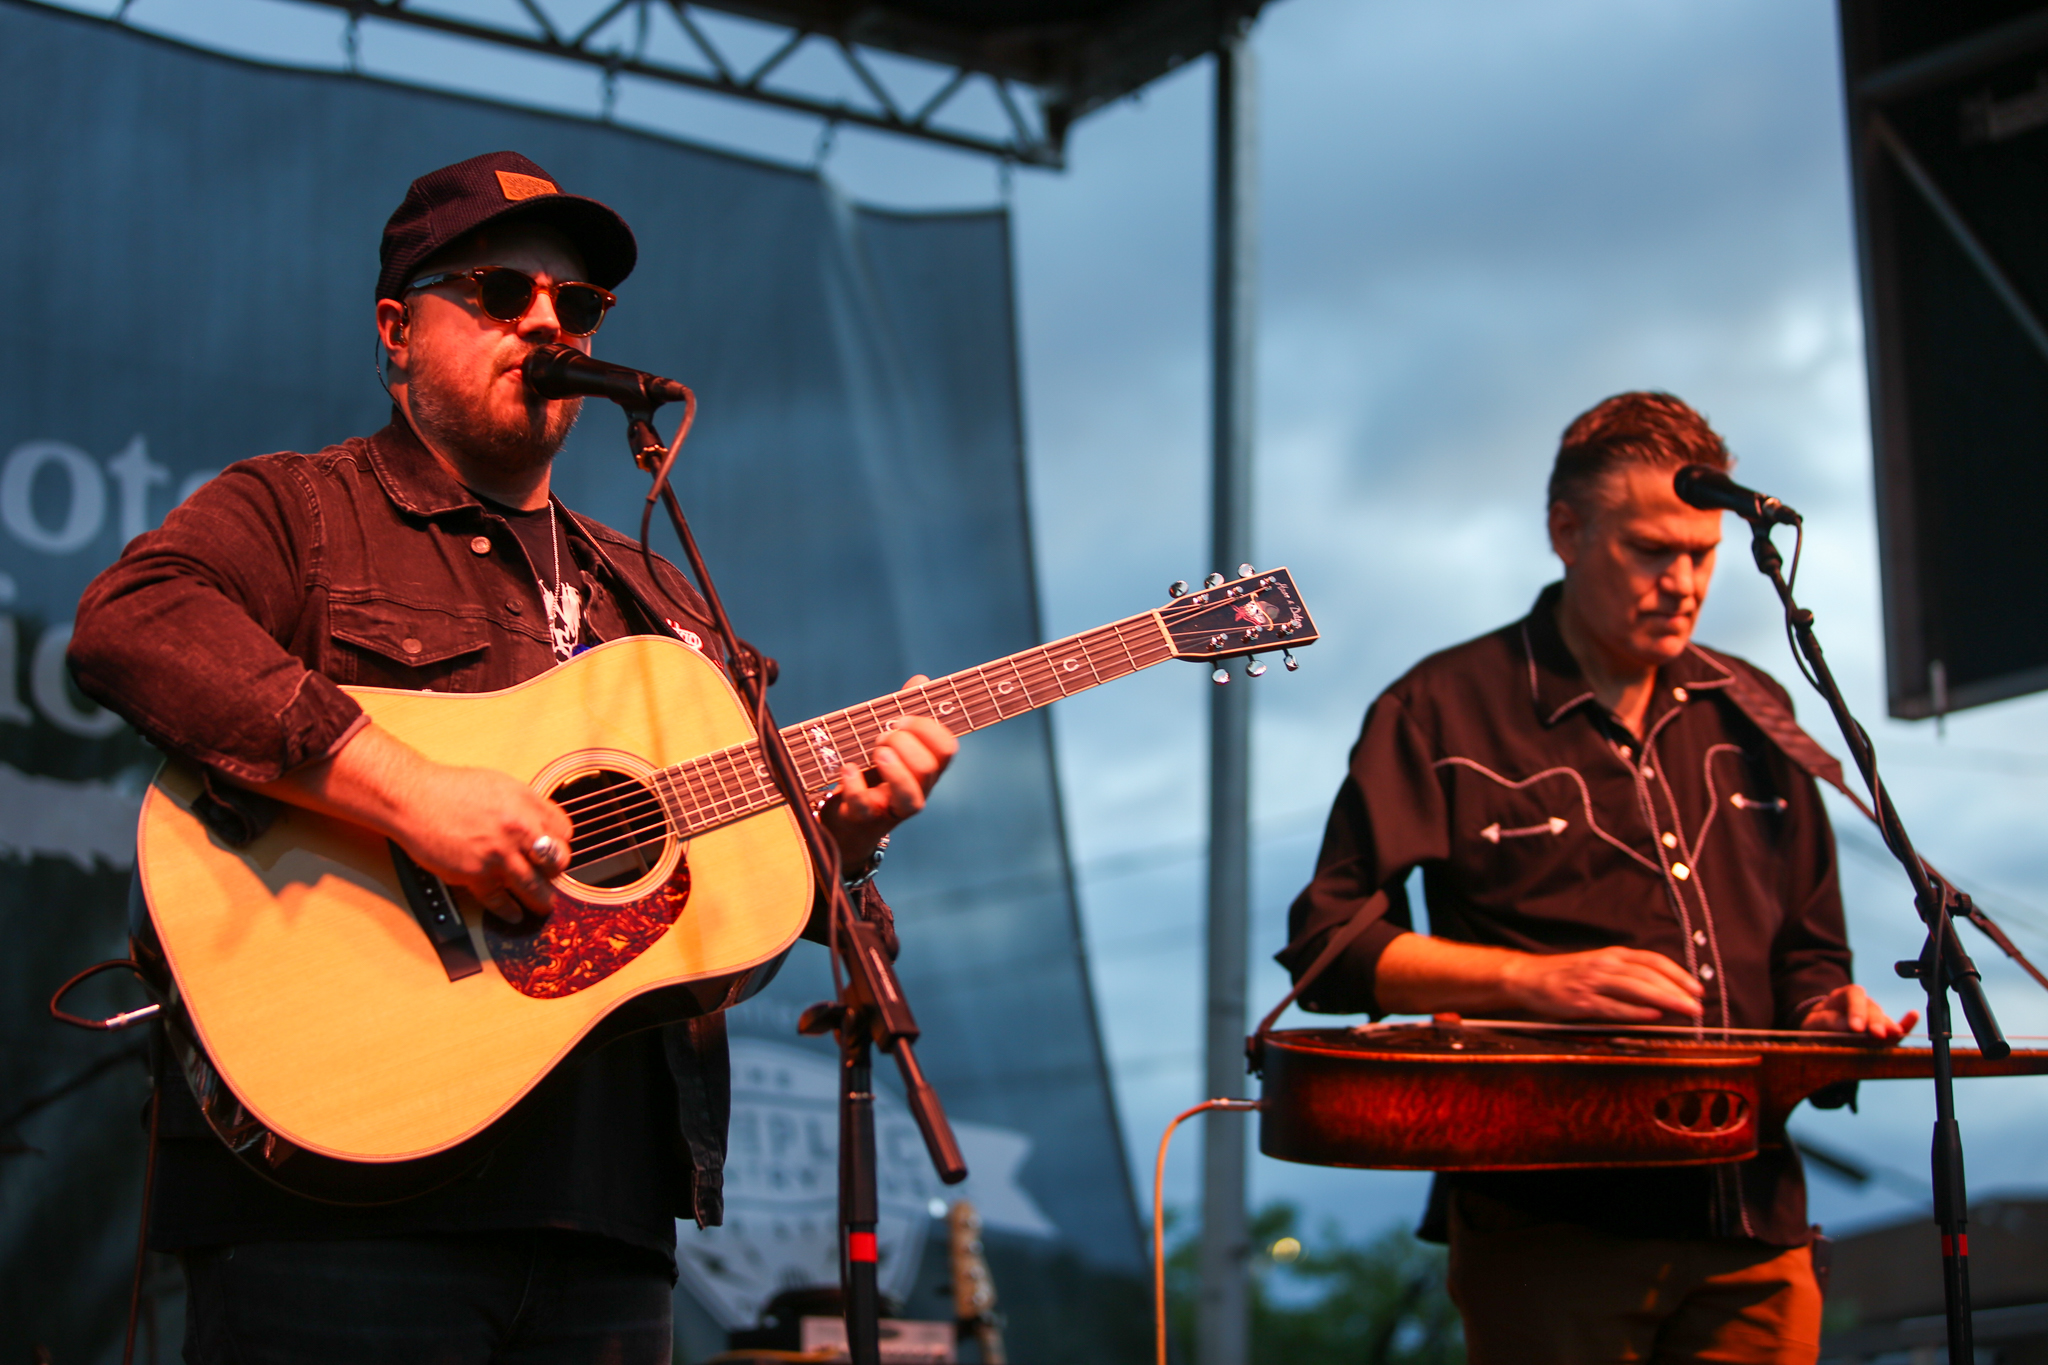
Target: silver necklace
(564,626)
(555,542)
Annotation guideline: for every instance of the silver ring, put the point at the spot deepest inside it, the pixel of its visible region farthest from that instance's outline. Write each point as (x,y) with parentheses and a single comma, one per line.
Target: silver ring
(546,850)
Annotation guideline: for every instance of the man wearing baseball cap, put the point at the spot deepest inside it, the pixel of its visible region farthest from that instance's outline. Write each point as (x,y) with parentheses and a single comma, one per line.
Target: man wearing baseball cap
(431,555)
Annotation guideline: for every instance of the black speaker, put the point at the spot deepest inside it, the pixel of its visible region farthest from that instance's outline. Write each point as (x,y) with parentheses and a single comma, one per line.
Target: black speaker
(1948,138)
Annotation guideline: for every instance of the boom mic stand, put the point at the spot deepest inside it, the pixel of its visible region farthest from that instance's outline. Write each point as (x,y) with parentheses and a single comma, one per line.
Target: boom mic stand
(1942,965)
(870,1009)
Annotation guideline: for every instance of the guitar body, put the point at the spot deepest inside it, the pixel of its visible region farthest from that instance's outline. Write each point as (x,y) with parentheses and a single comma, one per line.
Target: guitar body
(1451,1096)
(304,973)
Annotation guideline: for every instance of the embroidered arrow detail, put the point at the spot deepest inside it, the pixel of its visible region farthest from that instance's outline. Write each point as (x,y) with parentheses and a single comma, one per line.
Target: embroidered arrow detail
(1493,833)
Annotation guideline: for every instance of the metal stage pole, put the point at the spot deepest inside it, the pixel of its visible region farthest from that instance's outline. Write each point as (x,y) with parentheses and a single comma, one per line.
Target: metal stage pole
(1222,1315)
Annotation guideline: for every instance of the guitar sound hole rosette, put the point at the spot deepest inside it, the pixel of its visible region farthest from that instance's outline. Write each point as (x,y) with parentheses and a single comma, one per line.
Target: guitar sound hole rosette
(623,844)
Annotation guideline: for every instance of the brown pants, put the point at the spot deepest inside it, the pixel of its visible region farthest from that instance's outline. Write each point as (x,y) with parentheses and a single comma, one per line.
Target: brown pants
(1558,1294)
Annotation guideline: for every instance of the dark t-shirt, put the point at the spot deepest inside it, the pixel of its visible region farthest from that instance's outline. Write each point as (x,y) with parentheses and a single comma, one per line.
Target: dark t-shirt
(540,535)
(539,532)
(619,1101)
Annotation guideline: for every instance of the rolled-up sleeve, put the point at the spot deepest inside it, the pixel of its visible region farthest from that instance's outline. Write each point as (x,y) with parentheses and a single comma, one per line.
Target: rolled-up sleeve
(185,636)
(1387,819)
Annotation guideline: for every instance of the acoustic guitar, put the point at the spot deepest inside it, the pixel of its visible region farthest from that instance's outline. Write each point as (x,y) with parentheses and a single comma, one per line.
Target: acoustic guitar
(335,1008)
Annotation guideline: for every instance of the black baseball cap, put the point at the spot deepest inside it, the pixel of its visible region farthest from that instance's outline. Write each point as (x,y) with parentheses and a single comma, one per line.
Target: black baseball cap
(457,200)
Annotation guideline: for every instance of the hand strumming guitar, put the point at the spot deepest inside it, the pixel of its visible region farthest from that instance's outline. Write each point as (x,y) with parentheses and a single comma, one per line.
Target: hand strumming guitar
(472,827)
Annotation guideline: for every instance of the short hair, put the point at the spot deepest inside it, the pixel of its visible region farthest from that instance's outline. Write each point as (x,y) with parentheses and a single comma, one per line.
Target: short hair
(1640,427)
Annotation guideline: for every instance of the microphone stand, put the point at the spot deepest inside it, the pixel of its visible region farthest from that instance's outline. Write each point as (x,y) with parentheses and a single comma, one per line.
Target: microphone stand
(1942,965)
(870,1009)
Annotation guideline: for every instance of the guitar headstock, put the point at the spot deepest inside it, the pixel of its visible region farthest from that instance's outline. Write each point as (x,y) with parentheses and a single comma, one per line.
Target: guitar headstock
(1255,614)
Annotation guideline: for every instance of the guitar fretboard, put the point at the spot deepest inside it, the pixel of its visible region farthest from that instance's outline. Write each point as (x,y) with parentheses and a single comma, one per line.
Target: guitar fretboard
(734,783)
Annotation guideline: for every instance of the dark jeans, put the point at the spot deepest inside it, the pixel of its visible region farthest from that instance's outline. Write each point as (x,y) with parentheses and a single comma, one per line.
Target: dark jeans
(499,1298)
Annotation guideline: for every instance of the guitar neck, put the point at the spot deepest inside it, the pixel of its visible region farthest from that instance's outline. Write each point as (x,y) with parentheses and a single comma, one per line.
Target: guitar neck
(734,783)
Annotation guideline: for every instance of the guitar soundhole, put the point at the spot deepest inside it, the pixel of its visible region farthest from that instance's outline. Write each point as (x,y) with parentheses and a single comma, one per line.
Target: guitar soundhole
(1702,1113)
(620,828)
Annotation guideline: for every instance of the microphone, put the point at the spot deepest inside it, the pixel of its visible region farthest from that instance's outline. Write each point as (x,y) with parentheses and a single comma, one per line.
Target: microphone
(558,371)
(1708,489)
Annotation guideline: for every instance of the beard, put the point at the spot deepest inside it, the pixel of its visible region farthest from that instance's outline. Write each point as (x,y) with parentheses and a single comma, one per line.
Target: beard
(512,442)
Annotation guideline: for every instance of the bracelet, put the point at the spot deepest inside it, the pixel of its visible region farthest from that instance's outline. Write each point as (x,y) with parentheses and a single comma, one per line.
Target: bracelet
(867,874)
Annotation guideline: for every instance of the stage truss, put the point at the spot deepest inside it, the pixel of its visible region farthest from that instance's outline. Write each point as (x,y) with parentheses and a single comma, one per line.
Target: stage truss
(996,79)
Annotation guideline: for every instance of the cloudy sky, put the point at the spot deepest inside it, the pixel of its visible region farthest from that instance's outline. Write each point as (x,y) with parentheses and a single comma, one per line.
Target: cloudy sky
(1477,218)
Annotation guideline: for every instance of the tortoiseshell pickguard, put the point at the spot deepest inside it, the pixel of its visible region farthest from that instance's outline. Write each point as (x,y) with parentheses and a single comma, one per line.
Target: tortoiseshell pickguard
(582,942)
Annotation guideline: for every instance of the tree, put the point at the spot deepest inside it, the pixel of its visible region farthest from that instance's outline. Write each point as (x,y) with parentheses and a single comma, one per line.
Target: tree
(1327,1300)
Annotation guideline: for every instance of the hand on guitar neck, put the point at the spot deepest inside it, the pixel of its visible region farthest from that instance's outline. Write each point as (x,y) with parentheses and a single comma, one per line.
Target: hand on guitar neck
(476,827)
(908,761)
(1419,974)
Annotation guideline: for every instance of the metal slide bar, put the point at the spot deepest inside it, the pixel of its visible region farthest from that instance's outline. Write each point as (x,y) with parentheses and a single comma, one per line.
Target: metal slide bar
(1026,146)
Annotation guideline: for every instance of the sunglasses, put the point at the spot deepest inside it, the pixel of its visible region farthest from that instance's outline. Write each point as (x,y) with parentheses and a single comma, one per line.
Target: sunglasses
(505,294)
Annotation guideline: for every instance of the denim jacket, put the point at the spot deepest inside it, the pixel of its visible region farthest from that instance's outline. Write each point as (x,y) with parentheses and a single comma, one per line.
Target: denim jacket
(225,635)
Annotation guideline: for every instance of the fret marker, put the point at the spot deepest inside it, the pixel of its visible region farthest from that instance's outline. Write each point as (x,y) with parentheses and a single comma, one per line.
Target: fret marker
(945,708)
(1004,688)
(821,741)
(1072,665)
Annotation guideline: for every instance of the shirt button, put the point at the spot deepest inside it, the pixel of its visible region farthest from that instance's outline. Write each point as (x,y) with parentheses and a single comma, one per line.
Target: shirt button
(1680,871)
(1625,751)
(1648,771)
(1670,839)
(1678,694)
(1706,973)
(481,545)
(512,605)
(1699,936)
(409,645)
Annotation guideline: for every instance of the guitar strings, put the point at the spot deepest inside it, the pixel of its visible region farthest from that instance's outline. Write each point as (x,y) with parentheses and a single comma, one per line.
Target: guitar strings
(632,815)
(624,806)
(1689,1030)
(1029,670)
(589,803)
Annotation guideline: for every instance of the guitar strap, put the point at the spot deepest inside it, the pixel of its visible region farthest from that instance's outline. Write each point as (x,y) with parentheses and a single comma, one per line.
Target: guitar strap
(1769,715)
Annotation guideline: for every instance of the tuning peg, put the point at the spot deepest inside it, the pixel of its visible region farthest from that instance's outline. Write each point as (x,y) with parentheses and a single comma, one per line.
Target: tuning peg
(1220,676)
(1245,571)
(1178,588)
(1214,580)
(1254,668)
(1293,664)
